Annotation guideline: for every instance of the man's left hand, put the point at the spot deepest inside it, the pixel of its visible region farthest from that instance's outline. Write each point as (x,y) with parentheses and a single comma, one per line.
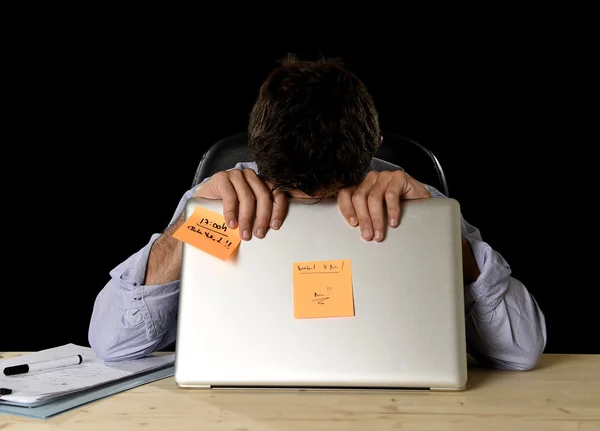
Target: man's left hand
(363,205)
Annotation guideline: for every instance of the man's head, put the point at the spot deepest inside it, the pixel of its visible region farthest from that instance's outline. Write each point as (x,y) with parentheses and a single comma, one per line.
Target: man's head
(314,127)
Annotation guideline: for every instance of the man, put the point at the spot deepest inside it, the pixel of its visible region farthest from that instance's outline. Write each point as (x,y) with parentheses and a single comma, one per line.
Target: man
(313,133)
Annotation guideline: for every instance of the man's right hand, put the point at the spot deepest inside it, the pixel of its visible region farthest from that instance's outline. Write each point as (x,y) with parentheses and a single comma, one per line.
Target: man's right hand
(246,201)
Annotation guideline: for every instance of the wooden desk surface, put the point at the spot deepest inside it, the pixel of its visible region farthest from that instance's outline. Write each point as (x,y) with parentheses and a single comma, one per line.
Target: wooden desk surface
(563,393)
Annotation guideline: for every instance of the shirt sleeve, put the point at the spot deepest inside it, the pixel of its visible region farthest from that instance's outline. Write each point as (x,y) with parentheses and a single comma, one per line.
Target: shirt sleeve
(130,320)
(505,327)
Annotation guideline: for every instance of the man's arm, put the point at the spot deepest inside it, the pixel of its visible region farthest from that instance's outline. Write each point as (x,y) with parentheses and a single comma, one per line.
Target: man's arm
(135,313)
(505,327)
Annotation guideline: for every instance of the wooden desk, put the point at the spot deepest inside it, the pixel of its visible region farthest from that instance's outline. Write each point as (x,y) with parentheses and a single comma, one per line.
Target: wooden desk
(563,393)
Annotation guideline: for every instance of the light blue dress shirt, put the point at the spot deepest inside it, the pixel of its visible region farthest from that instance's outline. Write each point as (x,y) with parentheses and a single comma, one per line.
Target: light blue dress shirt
(505,326)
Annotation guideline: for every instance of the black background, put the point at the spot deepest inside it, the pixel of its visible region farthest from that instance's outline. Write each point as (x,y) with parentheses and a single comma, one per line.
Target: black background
(107,129)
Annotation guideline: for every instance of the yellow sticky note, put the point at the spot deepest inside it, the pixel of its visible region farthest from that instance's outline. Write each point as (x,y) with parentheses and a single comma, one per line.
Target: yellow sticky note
(207,231)
(323,289)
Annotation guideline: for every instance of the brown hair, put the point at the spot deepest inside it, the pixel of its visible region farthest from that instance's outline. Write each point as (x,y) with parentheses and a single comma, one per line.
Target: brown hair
(314,127)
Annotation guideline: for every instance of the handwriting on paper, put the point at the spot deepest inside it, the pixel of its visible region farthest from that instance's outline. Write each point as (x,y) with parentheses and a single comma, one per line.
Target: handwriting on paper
(323,289)
(207,231)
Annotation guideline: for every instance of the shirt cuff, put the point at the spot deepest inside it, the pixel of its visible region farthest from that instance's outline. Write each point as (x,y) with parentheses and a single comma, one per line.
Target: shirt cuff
(153,304)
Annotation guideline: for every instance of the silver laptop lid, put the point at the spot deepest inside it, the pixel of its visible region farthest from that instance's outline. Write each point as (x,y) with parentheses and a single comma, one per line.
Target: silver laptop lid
(237,324)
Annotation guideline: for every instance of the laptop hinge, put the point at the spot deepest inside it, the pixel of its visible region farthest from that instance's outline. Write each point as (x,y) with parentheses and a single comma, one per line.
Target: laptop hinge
(322,388)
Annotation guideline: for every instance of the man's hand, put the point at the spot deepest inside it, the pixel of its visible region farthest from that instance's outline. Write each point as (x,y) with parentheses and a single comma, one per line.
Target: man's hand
(363,205)
(246,201)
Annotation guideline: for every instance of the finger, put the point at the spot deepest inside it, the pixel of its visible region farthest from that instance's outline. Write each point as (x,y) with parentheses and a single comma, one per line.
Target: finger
(392,199)
(375,202)
(223,188)
(247,202)
(280,208)
(264,206)
(346,207)
(359,201)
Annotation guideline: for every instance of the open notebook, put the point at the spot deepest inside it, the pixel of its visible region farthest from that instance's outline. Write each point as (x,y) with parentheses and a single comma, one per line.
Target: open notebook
(40,387)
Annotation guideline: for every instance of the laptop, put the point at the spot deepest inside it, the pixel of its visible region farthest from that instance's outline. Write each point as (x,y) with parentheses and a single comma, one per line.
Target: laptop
(252,321)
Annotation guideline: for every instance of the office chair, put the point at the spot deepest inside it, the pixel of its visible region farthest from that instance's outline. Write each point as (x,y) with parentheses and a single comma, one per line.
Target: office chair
(415,159)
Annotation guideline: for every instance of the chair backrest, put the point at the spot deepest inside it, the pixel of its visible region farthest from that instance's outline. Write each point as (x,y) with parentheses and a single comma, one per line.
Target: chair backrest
(414,158)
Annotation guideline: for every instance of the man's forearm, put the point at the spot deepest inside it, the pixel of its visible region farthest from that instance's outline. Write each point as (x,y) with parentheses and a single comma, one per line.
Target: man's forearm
(164,261)
(470,267)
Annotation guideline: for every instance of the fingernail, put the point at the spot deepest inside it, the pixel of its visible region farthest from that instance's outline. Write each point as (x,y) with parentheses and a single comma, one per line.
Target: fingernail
(246,235)
(232,223)
(378,235)
(260,232)
(275,224)
(353,221)
(366,233)
(393,222)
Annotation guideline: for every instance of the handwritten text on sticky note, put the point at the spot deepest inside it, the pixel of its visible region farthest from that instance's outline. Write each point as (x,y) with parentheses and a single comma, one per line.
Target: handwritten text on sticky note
(323,289)
(207,230)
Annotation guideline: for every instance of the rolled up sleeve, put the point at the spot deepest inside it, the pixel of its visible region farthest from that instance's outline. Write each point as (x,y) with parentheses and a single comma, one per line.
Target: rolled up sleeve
(129,319)
(506,328)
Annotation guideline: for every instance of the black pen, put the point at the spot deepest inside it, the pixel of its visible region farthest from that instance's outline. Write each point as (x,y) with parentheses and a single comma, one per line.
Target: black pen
(5,391)
(49,364)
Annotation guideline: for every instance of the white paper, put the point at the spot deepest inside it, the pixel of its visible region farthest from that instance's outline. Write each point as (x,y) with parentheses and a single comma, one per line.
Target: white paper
(31,387)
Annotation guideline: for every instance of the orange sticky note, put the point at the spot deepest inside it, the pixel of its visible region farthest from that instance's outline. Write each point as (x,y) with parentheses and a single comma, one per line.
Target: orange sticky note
(323,289)
(207,230)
